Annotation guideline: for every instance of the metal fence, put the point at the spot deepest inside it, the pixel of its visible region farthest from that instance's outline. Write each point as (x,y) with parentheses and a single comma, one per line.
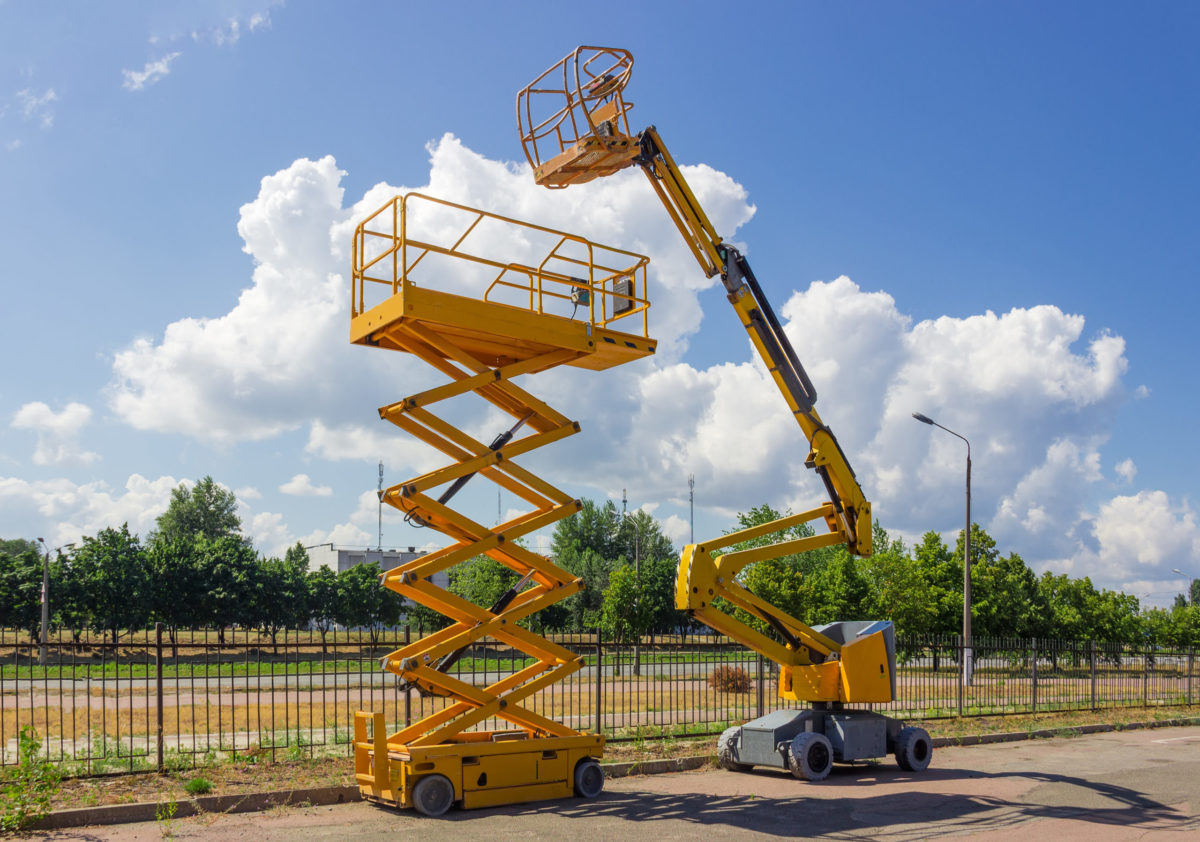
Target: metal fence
(148,701)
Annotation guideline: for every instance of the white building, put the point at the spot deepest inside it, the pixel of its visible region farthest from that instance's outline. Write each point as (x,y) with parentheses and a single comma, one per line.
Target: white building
(338,559)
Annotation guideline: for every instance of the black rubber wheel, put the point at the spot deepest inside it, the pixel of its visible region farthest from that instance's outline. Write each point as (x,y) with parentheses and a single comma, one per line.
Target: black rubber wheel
(589,778)
(811,756)
(432,795)
(727,754)
(914,750)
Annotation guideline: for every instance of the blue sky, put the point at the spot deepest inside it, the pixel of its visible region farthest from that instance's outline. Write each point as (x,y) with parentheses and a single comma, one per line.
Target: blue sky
(985,212)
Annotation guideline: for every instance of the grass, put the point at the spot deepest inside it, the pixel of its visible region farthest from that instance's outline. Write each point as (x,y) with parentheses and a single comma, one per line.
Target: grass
(198,786)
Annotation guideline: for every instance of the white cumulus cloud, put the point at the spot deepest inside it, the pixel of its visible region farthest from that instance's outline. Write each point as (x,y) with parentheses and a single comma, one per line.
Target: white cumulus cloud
(85,509)
(1035,389)
(56,432)
(301,486)
(1126,470)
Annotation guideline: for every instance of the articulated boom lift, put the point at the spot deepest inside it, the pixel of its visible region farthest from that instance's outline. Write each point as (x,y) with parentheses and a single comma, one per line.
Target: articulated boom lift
(548,299)
(574,124)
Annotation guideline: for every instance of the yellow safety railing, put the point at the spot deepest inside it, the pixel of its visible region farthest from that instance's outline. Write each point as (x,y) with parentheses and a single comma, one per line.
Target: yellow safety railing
(420,240)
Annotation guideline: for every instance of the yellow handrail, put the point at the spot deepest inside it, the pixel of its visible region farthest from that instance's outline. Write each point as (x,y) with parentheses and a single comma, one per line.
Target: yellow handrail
(565,267)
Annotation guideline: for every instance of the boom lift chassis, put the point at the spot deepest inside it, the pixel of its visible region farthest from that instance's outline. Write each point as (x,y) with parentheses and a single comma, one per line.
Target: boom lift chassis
(574,126)
(521,327)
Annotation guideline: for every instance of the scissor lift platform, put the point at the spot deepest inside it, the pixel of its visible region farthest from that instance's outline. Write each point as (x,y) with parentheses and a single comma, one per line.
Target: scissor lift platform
(426,282)
(497,333)
(569,295)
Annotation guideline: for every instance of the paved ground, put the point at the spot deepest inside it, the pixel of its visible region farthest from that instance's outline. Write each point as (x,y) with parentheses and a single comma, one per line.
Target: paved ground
(1115,786)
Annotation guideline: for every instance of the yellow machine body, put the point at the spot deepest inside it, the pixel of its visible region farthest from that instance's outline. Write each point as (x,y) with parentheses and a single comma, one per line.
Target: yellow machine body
(485,299)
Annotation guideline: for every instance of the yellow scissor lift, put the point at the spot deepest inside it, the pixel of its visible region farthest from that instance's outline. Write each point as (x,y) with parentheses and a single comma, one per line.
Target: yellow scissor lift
(548,299)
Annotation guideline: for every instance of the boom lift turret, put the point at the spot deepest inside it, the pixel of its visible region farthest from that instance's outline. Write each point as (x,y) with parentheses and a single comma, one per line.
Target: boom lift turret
(574,123)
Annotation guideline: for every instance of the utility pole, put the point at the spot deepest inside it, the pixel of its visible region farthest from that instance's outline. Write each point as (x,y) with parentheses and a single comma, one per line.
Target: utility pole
(380,492)
(45,601)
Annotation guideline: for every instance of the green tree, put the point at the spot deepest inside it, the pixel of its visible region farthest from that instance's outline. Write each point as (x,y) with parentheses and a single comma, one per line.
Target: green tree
(945,575)
(21,588)
(364,603)
(323,606)
(594,527)
(68,599)
(206,510)
(281,592)
(177,581)
(582,609)
(226,593)
(112,573)
(640,537)
(16,546)
(481,580)
(899,588)
(623,617)
(1005,601)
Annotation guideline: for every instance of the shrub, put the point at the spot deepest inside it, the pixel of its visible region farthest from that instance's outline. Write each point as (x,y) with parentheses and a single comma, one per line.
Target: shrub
(27,790)
(730,680)
(198,786)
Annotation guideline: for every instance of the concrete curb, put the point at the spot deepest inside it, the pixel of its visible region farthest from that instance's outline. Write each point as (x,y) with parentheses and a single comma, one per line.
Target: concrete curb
(147,811)
(322,796)
(655,767)
(1068,731)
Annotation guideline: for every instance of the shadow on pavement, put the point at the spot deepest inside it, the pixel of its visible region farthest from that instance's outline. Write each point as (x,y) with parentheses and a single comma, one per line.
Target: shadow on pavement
(924,814)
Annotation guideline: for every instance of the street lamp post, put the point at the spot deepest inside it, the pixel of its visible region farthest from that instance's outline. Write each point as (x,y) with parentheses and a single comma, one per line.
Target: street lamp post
(968,665)
(1190,579)
(45,602)
(46,597)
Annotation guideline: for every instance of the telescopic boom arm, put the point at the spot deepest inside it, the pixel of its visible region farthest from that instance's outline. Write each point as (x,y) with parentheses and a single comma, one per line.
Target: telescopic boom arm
(585,134)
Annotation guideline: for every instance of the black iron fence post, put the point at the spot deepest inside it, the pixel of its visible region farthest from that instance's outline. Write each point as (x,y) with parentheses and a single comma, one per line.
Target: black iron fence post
(1033,656)
(759,684)
(158,690)
(1145,675)
(599,684)
(1191,663)
(1093,653)
(961,678)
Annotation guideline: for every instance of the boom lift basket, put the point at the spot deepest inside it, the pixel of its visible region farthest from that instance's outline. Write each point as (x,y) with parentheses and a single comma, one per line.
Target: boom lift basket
(574,118)
(550,299)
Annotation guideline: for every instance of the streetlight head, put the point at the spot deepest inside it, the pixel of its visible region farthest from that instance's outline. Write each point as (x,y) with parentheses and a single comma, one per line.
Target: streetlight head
(922,418)
(41,540)
(1177,570)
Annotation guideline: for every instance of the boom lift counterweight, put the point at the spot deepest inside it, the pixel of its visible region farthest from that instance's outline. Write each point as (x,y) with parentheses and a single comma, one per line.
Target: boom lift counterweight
(574,124)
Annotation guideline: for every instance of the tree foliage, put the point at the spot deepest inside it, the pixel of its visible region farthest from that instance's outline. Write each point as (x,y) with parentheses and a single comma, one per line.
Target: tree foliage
(205,510)
(111,572)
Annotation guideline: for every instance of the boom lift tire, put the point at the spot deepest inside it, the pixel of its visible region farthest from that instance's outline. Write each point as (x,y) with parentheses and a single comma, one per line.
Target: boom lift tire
(811,756)
(433,795)
(914,750)
(727,757)
(589,779)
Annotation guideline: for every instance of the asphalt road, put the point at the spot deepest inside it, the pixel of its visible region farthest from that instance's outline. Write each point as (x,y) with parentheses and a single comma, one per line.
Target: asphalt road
(1115,786)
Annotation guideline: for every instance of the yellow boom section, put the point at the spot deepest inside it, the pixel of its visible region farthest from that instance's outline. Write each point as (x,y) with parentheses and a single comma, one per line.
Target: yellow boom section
(574,127)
